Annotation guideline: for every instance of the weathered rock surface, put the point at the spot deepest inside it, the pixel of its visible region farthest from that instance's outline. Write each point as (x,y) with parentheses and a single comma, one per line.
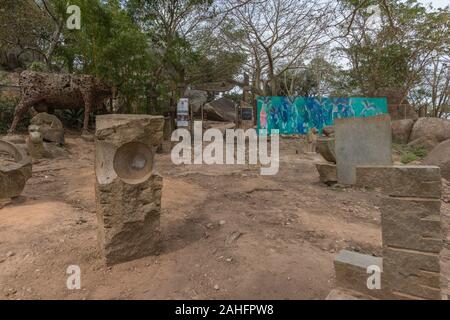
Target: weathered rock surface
(361,141)
(50,126)
(401,130)
(13,176)
(439,128)
(327,173)
(426,142)
(351,272)
(401,181)
(325,146)
(328,131)
(35,143)
(411,223)
(412,273)
(440,156)
(197,98)
(128,190)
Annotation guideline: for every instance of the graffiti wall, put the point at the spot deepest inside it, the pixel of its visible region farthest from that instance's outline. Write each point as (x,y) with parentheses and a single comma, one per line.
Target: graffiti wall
(298,115)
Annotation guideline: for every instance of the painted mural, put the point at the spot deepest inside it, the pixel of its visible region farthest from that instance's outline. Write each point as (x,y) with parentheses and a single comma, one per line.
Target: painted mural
(298,115)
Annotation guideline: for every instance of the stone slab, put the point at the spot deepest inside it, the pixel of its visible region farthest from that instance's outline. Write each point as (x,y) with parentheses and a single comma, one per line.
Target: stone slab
(411,273)
(359,142)
(351,272)
(401,181)
(411,223)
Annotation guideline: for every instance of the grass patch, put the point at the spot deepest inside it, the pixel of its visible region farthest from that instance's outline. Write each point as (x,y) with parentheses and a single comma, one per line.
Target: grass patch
(409,154)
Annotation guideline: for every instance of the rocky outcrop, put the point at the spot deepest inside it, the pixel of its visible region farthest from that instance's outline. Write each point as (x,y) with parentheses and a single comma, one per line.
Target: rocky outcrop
(435,127)
(426,142)
(440,156)
(401,130)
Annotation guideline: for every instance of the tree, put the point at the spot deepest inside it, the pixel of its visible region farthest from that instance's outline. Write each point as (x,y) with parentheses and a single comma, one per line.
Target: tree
(393,48)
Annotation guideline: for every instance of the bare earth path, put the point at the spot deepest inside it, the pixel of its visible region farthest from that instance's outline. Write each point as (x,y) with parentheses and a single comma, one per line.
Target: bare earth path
(229,233)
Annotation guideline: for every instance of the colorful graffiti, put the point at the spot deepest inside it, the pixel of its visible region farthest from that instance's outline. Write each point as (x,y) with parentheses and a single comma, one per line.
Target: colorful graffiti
(298,115)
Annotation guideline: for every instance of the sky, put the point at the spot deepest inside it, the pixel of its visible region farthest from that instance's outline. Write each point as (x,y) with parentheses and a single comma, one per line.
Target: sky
(436,3)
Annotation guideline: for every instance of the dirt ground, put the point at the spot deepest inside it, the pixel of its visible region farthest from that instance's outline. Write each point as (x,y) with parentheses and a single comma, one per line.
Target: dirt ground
(228,232)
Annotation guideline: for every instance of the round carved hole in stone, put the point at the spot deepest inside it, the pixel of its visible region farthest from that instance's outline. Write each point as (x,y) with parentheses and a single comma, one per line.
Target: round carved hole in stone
(133,162)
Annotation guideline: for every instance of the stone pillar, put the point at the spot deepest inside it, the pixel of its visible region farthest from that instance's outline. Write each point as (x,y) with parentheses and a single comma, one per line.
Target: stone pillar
(411,228)
(128,189)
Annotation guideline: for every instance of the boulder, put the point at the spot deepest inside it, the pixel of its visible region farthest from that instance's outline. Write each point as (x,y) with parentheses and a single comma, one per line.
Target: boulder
(197,98)
(327,173)
(13,174)
(401,130)
(50,126)
(325,146)
(440,156)
(438,128)
(427,142)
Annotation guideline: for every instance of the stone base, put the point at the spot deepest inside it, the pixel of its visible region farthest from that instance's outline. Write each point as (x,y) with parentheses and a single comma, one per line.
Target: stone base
(401,181)
(351,273)
(344,294)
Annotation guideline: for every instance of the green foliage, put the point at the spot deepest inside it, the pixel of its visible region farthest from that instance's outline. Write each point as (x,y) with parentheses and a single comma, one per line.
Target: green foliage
(7,107)
(37,66)
(408,153)
(72,118)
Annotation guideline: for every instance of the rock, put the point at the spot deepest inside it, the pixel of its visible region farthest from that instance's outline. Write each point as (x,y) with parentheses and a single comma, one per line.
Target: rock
(197,98)
(427,142)
(128,189)
(50,126)
(401,181)
(438,128)
(440,156)
(10,254)
(342,294)
(401,130)
(351,272)
(35,143)
(14,175)
(14,138)
(325,146)
(328,131)
(216,287)
(327,173)
(411,223)
(411,272)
